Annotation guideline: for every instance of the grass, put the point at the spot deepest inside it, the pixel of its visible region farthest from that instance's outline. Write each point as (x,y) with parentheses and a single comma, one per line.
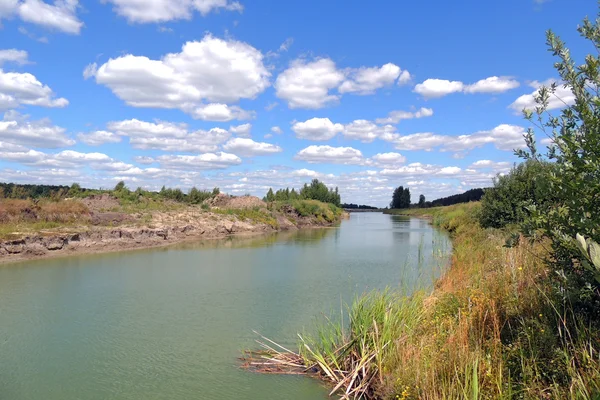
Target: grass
(492,328)
(322,212)
(254,214)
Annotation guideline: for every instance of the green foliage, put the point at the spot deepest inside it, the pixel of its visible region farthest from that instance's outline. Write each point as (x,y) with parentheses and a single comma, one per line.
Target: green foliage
(575,149)
(507,201)
(196,196)
(400,198)
(315,191)
(422,201)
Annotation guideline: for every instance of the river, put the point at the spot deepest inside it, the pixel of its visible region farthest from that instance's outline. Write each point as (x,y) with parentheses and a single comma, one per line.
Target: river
(170,323)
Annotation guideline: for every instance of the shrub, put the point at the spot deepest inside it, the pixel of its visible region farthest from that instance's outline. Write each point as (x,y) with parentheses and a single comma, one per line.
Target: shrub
(575,148)
(507,201)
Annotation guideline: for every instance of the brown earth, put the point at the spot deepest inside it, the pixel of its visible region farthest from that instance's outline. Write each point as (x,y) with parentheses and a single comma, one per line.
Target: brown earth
(115,231)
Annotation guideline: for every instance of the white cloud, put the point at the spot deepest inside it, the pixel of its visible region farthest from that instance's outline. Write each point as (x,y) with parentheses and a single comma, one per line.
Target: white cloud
(493,84)
(98,138)
(168,10)
(144,160)
(24,88)
(213,70)
(389,158)
(13,55)
(329,154)
(317,129)
(562,97)
(503,137)
(395,117)
(404,78)
(168,136)
(363,130)
(61,16)
(432,88)
(307,85)
(205,161)
(248,147)
(219,112)
(17,129)
(497,166)
(418,169)
(241,130)
(277,130)
(367,80)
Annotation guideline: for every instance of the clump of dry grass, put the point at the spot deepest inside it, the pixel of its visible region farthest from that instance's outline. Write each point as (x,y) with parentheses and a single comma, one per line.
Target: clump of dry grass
(27,215)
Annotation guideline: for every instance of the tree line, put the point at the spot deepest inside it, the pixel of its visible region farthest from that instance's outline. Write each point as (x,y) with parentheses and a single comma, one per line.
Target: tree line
(316,190)
(401,198)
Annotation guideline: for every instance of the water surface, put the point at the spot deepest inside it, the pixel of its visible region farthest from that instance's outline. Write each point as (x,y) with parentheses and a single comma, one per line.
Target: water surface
(169,323)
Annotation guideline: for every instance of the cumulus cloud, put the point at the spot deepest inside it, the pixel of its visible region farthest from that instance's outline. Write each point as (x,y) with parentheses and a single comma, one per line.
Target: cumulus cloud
(362,129)
(366,80)
(277,130)
(329,154)
(434,88)
(389,158)
(205,161)
(168,136)
(18,129)
(60,16)
(241,130)
(219,112)
(562,97)
(493,84)
(14,56)
(395,117)
(419,169)
(98,138)
(317,129)
(248,147)
(200,80)
(310,84)
(168,10)
(24,88)
(503,137)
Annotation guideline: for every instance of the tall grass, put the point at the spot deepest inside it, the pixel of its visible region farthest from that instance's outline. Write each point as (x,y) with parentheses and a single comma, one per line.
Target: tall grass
(492,328)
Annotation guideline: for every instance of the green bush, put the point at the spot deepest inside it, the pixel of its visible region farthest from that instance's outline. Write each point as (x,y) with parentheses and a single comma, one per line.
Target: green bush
(507,201)
(575,149)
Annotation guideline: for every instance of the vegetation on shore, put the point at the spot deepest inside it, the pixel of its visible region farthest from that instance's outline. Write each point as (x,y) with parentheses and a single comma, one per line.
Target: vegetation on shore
(517,315)
(30,209)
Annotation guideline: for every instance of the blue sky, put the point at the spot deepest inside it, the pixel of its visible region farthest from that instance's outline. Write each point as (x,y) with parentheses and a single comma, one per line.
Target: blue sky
(250,95)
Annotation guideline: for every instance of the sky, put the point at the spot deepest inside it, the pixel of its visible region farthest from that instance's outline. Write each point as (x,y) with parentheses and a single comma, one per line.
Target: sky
(246,95)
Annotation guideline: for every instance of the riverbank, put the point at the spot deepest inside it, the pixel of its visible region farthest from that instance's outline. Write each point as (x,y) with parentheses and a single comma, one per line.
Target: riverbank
(493,327)
(102,224)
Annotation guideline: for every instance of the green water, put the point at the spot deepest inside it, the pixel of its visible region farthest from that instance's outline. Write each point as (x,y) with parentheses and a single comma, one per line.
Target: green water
(170,323)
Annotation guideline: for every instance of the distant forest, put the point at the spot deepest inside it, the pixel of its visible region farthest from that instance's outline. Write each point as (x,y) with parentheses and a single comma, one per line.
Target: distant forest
(469,195)
(352,206)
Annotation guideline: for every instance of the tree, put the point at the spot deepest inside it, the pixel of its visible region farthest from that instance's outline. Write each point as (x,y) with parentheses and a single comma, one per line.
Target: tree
(575,149)
(120,186)
(400,198)
(421,201)
(75,189)
(270,196)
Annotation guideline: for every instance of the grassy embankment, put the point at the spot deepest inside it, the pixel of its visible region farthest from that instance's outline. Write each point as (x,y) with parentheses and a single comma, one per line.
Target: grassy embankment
(490,329)
(29,216)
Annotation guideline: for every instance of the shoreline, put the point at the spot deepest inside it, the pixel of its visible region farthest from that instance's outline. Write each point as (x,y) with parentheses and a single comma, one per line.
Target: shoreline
(185,229)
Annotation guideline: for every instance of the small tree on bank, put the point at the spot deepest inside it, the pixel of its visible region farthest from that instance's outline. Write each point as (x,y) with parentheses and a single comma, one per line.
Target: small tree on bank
(422,201)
